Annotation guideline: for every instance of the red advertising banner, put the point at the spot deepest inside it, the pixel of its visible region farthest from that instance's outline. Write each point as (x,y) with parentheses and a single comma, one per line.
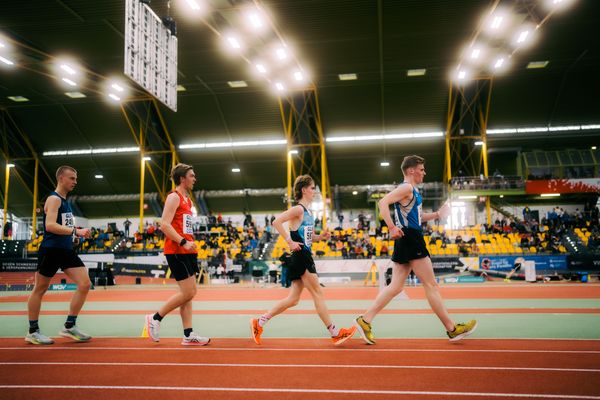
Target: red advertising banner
(563,186)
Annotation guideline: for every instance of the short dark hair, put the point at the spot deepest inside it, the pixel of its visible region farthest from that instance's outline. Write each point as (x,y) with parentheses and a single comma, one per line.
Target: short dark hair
(61,170)
(300,183)
(411,162)
(179,171)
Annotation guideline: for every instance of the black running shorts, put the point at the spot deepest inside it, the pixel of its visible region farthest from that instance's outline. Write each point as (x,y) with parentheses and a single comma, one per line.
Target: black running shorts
(409,247)
(183,266)
(301,261)
(50,259)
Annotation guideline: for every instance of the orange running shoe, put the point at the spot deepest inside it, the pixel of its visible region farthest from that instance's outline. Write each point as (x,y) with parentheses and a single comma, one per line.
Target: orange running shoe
(256,330)
(343,335)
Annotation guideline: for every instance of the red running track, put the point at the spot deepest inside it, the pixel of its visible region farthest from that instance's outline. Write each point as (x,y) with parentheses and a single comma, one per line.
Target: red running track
(300,369)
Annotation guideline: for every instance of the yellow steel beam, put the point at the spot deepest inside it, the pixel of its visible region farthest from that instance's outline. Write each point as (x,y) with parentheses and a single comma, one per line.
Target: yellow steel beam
(6,183)
(131,128)
(35,201)
(159,187)
(142,182)
(292,116)
(451,107)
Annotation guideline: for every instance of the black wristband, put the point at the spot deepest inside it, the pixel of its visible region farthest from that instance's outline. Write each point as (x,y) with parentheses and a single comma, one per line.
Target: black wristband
(183,241)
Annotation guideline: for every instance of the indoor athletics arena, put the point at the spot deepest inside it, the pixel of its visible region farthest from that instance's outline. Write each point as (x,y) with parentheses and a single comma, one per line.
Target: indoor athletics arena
(291,199)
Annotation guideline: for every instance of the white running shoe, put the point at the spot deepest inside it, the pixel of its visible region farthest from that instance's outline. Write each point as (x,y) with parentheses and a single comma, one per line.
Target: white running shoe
(153,328)
(37,338)
(75,334)
(195,340)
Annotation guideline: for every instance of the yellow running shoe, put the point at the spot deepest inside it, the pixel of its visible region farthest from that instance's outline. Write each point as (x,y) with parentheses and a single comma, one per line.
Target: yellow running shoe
(462,330)
(364,328)
(343,335)
(256,330)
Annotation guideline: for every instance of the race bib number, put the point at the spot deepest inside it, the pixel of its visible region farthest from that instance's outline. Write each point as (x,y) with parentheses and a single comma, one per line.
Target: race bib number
(187,224)
(67,219)
(308,235)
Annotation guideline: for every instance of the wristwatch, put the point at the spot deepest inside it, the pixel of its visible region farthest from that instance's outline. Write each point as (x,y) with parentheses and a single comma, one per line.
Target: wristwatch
(183,241)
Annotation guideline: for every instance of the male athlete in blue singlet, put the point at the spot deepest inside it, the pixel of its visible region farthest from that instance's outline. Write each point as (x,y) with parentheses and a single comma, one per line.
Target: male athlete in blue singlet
(56,251)
(302,270)
(410,251)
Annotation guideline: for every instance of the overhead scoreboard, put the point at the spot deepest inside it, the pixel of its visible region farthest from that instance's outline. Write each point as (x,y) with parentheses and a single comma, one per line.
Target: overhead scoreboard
(150,53)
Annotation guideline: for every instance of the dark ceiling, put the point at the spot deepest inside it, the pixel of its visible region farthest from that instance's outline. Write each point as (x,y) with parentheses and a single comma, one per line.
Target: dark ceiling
(378,40)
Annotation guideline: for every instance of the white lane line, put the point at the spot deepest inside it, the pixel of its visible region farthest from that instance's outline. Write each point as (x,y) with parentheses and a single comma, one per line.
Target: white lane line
(285,390)
(361,366)
(341,349)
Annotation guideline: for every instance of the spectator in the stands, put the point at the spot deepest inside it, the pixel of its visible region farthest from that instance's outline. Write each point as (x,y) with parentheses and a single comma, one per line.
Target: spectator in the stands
(526,213)
(594,242)
(384,249)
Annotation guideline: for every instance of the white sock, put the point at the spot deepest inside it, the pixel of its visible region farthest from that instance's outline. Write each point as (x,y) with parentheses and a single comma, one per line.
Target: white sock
(264,319)
(333,330)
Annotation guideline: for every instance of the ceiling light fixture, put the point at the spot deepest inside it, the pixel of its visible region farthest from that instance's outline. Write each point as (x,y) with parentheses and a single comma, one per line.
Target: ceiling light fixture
(69,82)
(237,84)
(281,53)
(348,77)
(361,138)
(249,143)
(117,87)
(416,72)
(6,61)
(279,86)
(68,69)
(18,99)
(75,95)
(233,42)
(537,64)
(193,5)
(261,68)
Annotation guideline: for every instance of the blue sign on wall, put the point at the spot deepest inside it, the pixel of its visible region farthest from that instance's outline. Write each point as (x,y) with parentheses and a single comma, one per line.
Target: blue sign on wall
(507,263)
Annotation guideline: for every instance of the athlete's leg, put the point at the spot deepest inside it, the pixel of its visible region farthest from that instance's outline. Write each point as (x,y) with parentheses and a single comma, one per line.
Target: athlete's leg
(399,274)
(311,283)
(187,291)
(290,301)
(34,303)
(424,271)
(80,276)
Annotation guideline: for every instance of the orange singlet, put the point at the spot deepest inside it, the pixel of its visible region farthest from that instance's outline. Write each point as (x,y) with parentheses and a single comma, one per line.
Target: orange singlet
(182,223)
